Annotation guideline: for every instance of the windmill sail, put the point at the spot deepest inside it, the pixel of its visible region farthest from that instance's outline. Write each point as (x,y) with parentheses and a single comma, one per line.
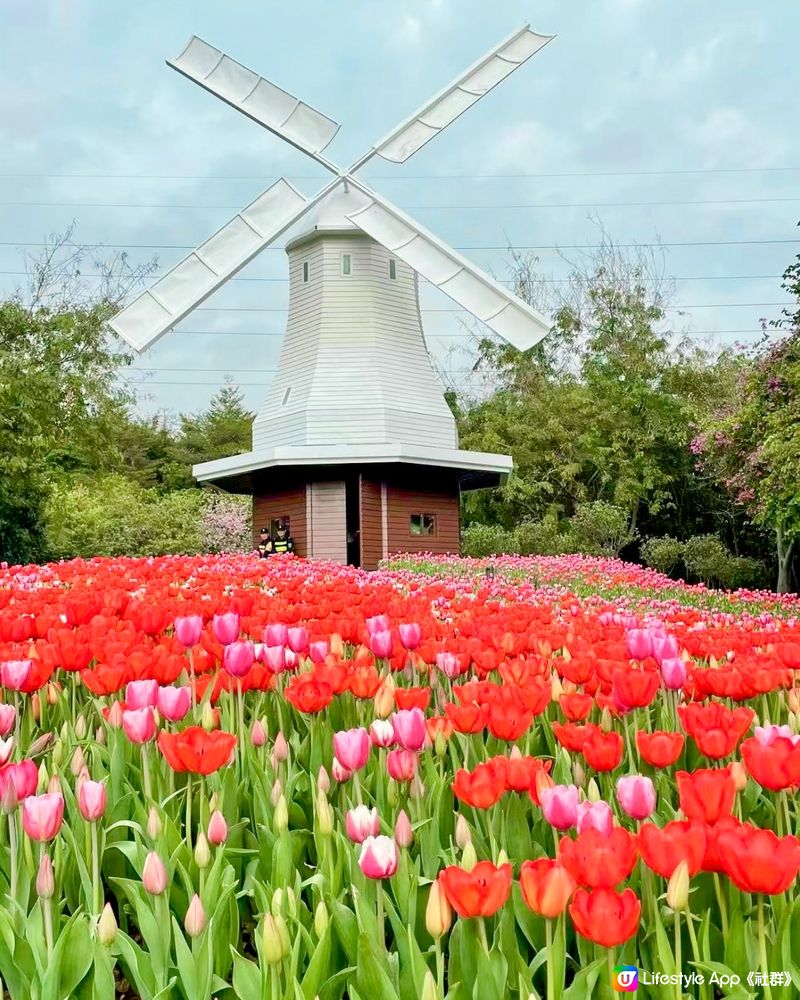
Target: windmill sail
(275,109)
(208,267)
(504,313)
(443,109)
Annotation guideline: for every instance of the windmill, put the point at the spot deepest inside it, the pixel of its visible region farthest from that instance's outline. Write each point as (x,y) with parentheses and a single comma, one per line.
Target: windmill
(355,445)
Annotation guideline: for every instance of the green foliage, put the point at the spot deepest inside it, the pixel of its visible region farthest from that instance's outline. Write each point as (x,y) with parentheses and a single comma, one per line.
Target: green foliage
(601,528)
(543,538)
(487,540)
(708,559)
(664,554)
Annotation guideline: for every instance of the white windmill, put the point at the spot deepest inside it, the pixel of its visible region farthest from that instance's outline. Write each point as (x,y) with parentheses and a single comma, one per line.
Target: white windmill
(355,445)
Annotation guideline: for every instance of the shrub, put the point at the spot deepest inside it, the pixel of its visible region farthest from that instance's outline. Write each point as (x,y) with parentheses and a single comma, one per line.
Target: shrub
(487,540)
(664,554)
(225,524)
(543,538)
(601,528)
(707,558)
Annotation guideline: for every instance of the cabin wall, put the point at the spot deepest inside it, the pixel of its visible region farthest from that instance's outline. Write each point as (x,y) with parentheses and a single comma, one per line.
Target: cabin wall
(403,501)
(372,549)
(289,503)
(327,514)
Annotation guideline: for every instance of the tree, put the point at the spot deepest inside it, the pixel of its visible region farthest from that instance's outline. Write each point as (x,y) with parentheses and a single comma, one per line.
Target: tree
(751,445)
(225,428)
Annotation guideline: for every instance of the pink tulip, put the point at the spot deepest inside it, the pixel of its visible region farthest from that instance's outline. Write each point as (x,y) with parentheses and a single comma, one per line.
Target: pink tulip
(637,795)
(139,725)
(8,716)
(195,919)
(409,728)
(115,713)
(154,874)
(340,773)
(173,702)
(258,734)
(401,764)
(606,618)
(225,627)
(15,673)
(42,815)
(665,647)
(297,639)
(380,644)
(560,805)
(317,651)
(449,664)
(280,748)
(6,749)
(378,623)
(766,735)
(217,829)
(361,823)
(351,748)
(274,658)
(595,816)
(45,879)
(640,643)
(403,834)
(188,630)
(276,635)
(141,694)
(92,800)
(379,857)
(410,635)
(22,777)
(673,673)
(290,659)
(381,732)
(239,658)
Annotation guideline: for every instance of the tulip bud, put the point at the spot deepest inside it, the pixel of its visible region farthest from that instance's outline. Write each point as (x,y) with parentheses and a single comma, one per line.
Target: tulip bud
(323,781)
(208,719)
(403,834)
(43,777)
(195,920)
(272,940)
(468,857)
(320,919)
(54,785)
(45,881)
(153,824)
(793,699)
(281,817)
(276,792)
(58,753)
(502,857)
(324,815)
(80,727)
(592,791)
(438,914)
(202,852)
(391,792)
(429,988)
(154,874)
(463,834)
(100,736)
(678,888)
(794,722)
(280,748)
(9,801)
(739,774)
(258,734)
(556,688)
(36,706)
(277,901)
(217,829)
(606,721)
(440,744)
(78,762)
(416,790)
(40,744)
(383,702)
(52,694)
(578,774)
(107,926)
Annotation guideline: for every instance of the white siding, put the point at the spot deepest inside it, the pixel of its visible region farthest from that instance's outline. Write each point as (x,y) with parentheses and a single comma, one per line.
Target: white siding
(354,355)
(327,522)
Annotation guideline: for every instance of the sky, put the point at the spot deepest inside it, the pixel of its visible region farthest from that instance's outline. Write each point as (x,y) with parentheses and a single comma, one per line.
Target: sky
(670,121)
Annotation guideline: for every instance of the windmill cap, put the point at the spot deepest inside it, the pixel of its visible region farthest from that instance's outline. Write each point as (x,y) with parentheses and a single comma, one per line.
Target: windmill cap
(330,216)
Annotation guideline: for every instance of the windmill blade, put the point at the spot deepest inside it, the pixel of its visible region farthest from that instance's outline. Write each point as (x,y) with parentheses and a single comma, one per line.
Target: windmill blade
(180,290)
(508,316)
(443,109)
(275,109)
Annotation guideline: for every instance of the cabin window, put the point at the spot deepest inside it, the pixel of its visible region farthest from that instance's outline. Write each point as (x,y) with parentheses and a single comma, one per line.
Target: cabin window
(347,264)
(392,268)
(305,271)
(276,522)
(286,396)
(422,524)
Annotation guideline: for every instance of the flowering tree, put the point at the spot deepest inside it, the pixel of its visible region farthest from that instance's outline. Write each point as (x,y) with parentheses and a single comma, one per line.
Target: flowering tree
(225,525)
(751,445)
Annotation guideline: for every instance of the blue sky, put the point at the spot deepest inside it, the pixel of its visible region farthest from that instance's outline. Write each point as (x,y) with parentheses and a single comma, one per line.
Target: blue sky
(640,101)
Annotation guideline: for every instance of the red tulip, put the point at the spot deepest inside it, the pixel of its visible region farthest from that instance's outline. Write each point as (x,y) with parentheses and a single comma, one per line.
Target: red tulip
(546,886)
(775,765)
(481,787)
(603,751)
(479,892)
(599,860)
(606,917)
(660,748)
(706,794)
(662,850)
(759,861)
(197,751)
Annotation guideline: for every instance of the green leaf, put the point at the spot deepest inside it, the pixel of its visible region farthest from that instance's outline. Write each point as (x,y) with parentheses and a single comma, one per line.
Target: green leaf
(371,976)
(246,977)
(582,986)
(318,966)
(103,987)
(136,965)
(72,959)
(185,962)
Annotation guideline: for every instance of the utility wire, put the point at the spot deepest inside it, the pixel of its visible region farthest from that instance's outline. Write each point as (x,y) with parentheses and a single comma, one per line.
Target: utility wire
(501,246)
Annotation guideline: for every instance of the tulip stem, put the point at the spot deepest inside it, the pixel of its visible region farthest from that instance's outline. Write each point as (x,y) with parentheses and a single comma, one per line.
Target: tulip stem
(381,930)
(47,913)
(439,966)
(192,681)
(12,846)
(678,990)
(695,948)
(548,936)
(189,810)
(148,789)
(482,934)
(762,947)
(96,899)
(723,910)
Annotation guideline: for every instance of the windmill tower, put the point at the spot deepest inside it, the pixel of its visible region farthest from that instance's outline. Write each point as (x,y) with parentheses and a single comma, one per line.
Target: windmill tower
(354,445)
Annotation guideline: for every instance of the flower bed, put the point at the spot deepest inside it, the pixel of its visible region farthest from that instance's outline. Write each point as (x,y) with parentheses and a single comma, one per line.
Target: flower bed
(234,777)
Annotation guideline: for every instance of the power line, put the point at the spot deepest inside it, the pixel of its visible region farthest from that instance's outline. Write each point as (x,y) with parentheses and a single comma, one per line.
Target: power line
(458,208)
(683,305)
(428,336)
(418,177)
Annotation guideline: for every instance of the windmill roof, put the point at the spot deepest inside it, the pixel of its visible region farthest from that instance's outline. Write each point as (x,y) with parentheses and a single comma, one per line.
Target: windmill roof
(330,216)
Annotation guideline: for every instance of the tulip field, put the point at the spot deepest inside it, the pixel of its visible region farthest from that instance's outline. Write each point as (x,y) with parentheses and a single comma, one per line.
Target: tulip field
(231,777)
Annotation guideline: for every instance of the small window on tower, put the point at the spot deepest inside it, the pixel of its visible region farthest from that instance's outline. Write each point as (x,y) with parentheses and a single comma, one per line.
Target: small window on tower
(422,524)
(392,268)
(286,395)
(305,271)
(347,264)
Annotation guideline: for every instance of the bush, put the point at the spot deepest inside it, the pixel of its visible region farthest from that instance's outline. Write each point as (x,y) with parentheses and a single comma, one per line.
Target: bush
(708,559)
(664,554)
(601,528)
(114,516)
(487,540)
(543,538)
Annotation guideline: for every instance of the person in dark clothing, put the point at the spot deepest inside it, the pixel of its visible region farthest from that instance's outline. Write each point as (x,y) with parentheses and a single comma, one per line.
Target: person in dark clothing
(283,541)
(265,547)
